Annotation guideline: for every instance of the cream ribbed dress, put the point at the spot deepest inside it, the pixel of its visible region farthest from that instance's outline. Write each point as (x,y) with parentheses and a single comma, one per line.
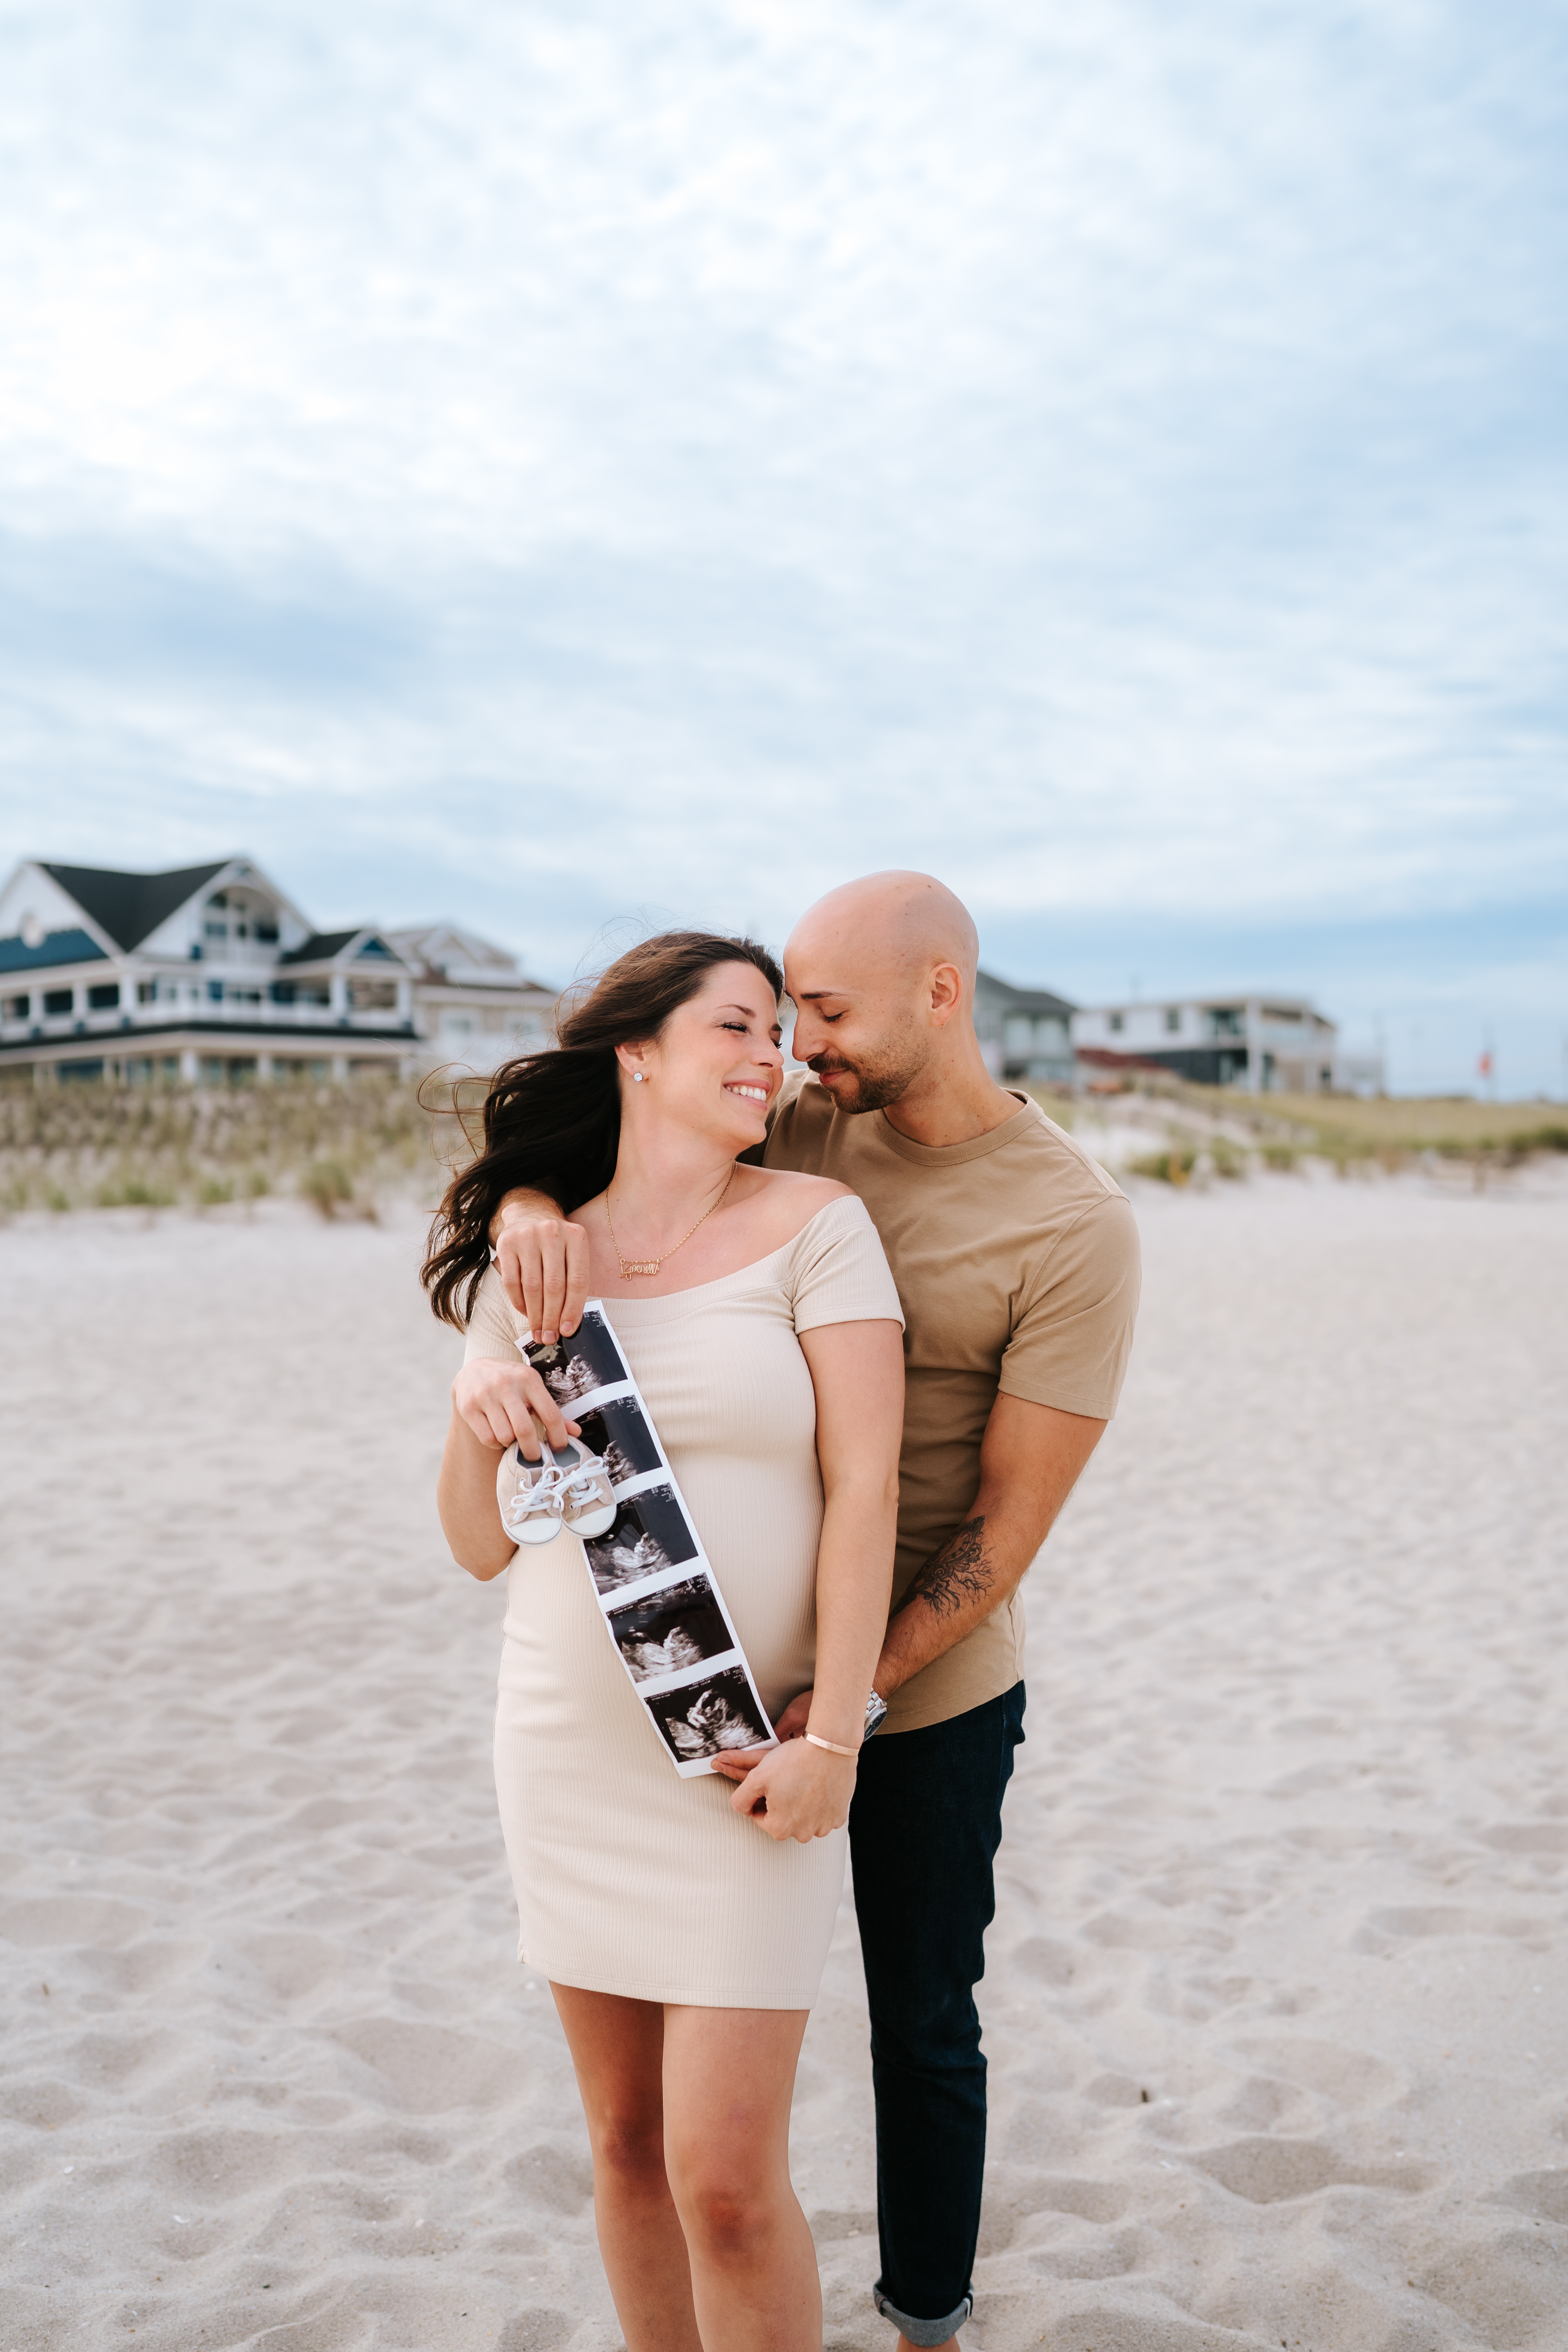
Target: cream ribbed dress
(630,1880)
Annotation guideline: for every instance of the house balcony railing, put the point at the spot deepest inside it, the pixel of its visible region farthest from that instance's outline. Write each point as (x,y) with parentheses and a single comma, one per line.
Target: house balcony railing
(50,1028)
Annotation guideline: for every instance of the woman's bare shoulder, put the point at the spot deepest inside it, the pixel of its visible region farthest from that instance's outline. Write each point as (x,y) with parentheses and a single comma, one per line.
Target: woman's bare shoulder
(789,1184)
(786,1201)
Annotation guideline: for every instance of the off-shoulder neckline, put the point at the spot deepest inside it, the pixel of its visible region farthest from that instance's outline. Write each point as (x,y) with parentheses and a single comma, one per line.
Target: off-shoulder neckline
(675,1298)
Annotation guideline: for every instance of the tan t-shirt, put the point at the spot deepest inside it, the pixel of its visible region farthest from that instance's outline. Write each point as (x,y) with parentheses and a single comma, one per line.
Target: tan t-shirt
(1015,1259)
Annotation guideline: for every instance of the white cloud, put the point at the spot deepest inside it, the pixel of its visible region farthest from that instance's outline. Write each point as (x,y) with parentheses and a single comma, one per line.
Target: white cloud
(1105,454)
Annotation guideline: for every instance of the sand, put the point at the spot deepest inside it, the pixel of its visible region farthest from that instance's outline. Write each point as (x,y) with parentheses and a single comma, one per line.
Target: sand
(1276,2007)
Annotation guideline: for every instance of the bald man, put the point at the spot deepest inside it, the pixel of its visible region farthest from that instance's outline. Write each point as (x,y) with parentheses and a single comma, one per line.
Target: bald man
(1017,1262)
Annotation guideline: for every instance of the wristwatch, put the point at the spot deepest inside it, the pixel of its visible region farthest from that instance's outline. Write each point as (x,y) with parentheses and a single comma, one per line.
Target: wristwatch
(876,1715)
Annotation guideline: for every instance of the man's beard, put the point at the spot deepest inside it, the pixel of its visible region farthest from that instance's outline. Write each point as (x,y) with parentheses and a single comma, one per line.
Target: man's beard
(878,1085)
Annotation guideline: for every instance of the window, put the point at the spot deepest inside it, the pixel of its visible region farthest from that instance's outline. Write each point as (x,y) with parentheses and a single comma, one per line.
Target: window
(215,991)
(372,995)
(59,999)
(104,996)
(1115,1024)
(267,931)
(16,1008)
(216,928)
(1173,1019)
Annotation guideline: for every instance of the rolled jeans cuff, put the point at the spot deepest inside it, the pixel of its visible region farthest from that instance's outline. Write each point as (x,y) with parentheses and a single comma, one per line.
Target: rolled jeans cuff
(923,2331)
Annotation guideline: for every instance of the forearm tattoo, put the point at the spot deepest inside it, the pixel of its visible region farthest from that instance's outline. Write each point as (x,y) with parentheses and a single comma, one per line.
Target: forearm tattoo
(955,1575)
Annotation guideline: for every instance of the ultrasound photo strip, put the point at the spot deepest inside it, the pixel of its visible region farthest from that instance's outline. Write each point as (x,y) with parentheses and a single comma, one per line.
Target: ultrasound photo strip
(652,1579)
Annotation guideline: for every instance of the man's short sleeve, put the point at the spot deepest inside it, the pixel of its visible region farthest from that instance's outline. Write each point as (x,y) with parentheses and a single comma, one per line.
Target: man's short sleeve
(1069,1346)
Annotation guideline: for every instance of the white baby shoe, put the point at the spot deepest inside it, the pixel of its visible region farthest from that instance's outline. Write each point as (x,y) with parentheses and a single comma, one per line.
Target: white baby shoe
(568,1486)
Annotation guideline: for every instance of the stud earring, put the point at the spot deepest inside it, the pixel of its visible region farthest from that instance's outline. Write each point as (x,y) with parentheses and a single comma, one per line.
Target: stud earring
(638,1079)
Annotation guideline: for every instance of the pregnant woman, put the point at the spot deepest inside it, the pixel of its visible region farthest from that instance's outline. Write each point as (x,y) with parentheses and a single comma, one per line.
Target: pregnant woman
(683,1923)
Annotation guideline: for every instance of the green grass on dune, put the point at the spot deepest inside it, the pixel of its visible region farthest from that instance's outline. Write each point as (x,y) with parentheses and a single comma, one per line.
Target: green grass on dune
(1343,1128)
(1402,1123)
(338,1146)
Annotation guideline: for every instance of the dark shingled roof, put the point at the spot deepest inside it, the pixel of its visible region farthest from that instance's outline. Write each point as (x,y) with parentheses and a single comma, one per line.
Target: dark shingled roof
(129,906)
(1032,1000)
(321,947)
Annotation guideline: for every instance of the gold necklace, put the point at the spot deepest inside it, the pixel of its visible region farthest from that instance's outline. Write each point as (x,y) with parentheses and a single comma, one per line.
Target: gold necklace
(630,1266)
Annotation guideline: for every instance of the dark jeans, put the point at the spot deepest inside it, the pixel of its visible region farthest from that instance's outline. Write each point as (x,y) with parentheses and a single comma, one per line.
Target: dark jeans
(923,1833)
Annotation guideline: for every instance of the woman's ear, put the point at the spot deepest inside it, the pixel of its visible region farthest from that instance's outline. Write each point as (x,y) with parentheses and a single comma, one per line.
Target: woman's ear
(633,1060)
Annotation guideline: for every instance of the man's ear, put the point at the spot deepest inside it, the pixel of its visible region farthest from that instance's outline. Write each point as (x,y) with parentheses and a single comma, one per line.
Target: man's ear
(946,992)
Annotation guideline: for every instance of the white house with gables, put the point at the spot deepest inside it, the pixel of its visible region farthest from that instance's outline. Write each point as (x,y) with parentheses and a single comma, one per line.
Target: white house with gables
(211,974)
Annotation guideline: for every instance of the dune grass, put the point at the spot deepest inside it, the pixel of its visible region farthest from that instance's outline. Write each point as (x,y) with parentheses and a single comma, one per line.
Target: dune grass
(1449,1124)
(341,1146)
(1226,1130)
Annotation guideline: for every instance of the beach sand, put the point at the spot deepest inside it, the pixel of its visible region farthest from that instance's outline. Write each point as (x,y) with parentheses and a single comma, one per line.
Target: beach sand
(1276,2009)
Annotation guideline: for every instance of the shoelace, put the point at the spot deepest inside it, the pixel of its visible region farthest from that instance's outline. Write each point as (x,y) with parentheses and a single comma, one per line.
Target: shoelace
(557,1485)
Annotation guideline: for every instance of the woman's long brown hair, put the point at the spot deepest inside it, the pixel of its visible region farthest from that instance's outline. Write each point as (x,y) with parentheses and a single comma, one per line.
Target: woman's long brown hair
(552,1122)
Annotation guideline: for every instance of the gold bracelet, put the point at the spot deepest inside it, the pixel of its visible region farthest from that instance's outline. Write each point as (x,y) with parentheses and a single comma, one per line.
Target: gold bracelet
(832,1746)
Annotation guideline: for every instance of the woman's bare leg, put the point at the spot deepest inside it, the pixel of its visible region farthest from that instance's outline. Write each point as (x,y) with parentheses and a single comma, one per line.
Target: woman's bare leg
(617,2049)
(728,2077)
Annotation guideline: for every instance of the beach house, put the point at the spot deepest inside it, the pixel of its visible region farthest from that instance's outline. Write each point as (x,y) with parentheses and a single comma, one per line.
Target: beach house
(1024,1032)
(1266,1044)
(211,974)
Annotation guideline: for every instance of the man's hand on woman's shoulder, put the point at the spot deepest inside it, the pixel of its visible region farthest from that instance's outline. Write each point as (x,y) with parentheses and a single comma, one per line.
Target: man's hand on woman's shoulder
(544,1261)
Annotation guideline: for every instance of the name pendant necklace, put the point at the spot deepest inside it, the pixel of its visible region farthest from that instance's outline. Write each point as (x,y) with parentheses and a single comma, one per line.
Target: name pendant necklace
(630,1266)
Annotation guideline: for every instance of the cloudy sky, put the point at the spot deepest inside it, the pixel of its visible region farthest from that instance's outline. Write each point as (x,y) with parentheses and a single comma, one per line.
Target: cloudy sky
(549,465)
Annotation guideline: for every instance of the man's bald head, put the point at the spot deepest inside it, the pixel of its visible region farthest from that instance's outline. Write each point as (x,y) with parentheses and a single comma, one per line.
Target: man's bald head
(902,922)
(882,974)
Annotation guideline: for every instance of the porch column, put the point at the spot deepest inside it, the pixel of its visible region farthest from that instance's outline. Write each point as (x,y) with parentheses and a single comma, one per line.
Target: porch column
(1255,1048)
